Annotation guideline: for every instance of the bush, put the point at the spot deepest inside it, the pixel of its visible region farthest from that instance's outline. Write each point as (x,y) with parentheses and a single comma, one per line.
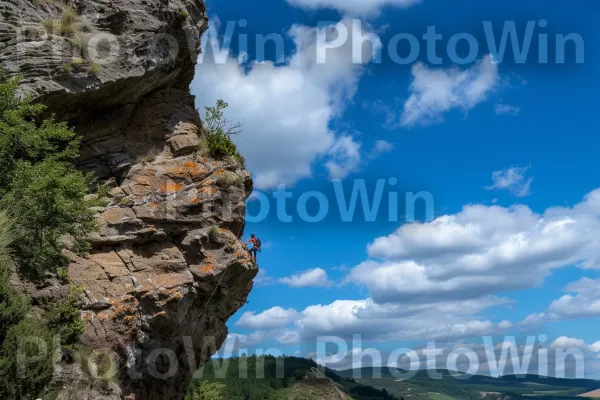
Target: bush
(48,201)
(13,307)
(207,391)
(26,364)
(18,380)
(218,132)
(64,318)
(39,184)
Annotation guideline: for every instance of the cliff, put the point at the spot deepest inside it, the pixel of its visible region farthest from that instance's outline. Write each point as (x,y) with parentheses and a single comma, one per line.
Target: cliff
(168,241)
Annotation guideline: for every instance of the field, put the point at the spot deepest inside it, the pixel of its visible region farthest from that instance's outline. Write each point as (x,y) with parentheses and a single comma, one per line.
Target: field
(448,387)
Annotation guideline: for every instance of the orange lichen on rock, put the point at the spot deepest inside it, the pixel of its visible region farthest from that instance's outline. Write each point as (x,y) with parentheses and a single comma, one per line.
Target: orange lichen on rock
(160,314)
(122,308)
(195,200)
(208,190)
(171,187)
(206,268)
(189,169)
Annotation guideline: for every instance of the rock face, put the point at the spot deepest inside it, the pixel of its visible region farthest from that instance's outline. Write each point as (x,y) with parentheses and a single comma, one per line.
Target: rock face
(167,268)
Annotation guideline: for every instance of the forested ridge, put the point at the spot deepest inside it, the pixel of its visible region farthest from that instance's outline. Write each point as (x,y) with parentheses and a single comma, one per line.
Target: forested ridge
(276,378)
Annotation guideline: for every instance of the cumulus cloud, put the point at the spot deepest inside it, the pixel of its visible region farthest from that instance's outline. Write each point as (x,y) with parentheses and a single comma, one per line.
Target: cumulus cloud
(352,7)
(506,109)
(263,279)
(480,251)
(380,147)
(565,342)
(512,179)
(345,157)
(595,347)
(273,318)
(581,301)
(312,278)
(433,280)
(286,109)
(435,91)
(448,320)
(484,358)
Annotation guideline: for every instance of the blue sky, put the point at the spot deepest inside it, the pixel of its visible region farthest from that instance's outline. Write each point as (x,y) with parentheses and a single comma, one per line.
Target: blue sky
(506,150)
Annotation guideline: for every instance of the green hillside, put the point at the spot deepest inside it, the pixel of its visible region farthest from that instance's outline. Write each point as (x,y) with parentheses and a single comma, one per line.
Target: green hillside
(422,387)
(292,378)
(254,378)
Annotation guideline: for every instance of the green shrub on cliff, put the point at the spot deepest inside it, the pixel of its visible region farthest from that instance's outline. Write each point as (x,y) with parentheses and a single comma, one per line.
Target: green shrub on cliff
(218,131)
(13,307)
(22,338)
(39,183)
(64,318)
(26,364)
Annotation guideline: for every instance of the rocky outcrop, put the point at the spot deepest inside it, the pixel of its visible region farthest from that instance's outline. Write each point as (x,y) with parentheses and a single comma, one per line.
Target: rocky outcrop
(167,268)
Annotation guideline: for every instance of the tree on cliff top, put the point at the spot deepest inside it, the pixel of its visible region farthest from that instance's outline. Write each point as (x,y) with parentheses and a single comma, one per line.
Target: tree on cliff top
(218,131)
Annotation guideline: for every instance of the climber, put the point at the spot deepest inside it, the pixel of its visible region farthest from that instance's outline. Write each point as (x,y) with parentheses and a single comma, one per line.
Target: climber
(255,242)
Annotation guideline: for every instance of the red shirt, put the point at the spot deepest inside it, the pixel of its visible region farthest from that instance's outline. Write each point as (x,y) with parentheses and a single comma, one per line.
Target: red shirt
(252,240)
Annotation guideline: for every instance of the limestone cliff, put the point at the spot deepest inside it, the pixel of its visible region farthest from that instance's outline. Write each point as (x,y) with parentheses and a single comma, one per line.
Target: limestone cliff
(119,72)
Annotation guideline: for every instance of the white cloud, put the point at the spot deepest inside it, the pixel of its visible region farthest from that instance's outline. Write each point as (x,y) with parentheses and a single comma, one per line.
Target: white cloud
(312,278)
(506,358)
(506,109)
(595,347)
(273,318)
(565,342)
(437,91)
(380,147)
(512,179)
(505,324)
(582,301)
(448,320)
(534,319)
(286,109)
(353,7)
(345,158)
(432,281)
(262,279)
(480,251)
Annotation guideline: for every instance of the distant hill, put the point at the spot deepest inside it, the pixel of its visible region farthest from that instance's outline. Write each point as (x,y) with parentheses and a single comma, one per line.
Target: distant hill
(293,378)
(298,379)
(422,387)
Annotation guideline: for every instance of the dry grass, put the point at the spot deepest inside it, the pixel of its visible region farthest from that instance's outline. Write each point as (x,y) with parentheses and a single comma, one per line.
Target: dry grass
(66,25)
(228,179)
(69,16)
(213,232)
(94,68)
(149,156)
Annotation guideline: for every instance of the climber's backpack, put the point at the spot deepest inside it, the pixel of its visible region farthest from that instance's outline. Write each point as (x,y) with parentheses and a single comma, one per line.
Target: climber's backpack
(258,243)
